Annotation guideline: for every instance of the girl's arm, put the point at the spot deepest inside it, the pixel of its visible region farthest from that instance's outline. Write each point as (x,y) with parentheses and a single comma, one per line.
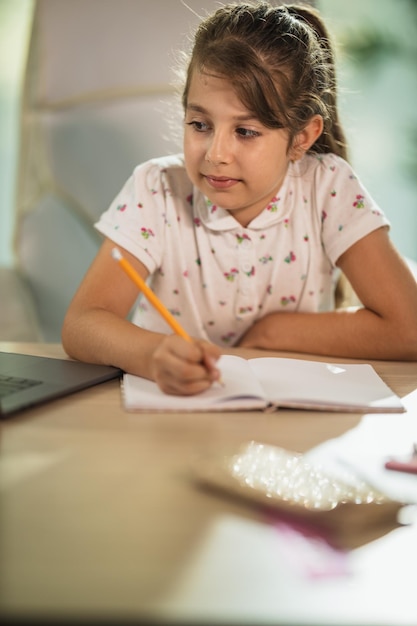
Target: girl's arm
(384,328)
(96,330)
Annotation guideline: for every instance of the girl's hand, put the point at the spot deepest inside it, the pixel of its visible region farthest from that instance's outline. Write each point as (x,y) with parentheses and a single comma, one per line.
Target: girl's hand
(183,368)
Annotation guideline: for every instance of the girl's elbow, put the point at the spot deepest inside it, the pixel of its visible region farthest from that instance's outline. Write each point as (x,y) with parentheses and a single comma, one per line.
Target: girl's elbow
(407,342)
(66,341)
(69,336)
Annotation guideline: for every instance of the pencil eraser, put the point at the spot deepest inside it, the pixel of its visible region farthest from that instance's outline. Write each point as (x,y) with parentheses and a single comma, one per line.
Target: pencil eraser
(409,466)
(116,254)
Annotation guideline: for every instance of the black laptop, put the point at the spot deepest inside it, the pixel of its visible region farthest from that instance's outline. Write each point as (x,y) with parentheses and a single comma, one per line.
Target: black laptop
(26,381)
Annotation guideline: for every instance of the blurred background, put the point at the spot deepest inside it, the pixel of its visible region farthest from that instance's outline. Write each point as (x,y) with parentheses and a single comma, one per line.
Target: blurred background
(376,56)
(15,17)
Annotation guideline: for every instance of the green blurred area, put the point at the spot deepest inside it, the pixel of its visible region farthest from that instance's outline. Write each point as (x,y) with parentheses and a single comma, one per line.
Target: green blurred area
(15,17)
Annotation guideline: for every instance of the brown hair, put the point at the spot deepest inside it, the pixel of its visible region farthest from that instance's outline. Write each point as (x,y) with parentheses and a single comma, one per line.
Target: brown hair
(281,62)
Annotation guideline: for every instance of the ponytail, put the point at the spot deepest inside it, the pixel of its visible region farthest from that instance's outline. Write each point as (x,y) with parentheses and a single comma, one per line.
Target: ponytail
(333,138)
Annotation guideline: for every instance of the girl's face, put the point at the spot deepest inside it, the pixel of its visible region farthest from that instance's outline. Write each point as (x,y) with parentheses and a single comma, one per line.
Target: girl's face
(233,159)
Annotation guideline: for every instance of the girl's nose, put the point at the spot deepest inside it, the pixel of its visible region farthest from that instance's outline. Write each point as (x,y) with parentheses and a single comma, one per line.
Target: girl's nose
(218,149)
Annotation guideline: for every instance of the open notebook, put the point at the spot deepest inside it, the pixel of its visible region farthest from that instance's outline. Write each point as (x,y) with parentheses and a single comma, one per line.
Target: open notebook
(268,383)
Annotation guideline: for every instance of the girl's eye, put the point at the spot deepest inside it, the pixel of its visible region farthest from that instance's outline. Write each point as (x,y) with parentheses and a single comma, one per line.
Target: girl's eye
(246,133)
(200,127)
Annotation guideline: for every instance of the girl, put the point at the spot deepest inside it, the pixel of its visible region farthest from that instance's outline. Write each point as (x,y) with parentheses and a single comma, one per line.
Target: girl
(243,236)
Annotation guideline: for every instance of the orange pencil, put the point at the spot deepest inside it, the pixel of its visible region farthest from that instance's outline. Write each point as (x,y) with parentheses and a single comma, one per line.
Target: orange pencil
(153,299)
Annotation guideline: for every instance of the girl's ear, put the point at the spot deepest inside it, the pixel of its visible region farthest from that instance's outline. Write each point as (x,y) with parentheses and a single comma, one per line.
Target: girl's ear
(305,138)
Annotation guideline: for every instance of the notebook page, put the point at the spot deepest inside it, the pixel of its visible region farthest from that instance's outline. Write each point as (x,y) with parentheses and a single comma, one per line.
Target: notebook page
(313,384)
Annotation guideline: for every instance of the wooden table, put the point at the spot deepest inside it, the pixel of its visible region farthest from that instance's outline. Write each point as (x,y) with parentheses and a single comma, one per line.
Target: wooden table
(100,520)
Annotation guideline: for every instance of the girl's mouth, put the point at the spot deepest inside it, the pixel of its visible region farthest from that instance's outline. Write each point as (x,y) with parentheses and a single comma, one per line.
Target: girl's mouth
(221,182)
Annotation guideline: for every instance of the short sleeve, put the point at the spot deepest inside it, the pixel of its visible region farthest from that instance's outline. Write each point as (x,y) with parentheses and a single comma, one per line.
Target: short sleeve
(346,209)
(134,218)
